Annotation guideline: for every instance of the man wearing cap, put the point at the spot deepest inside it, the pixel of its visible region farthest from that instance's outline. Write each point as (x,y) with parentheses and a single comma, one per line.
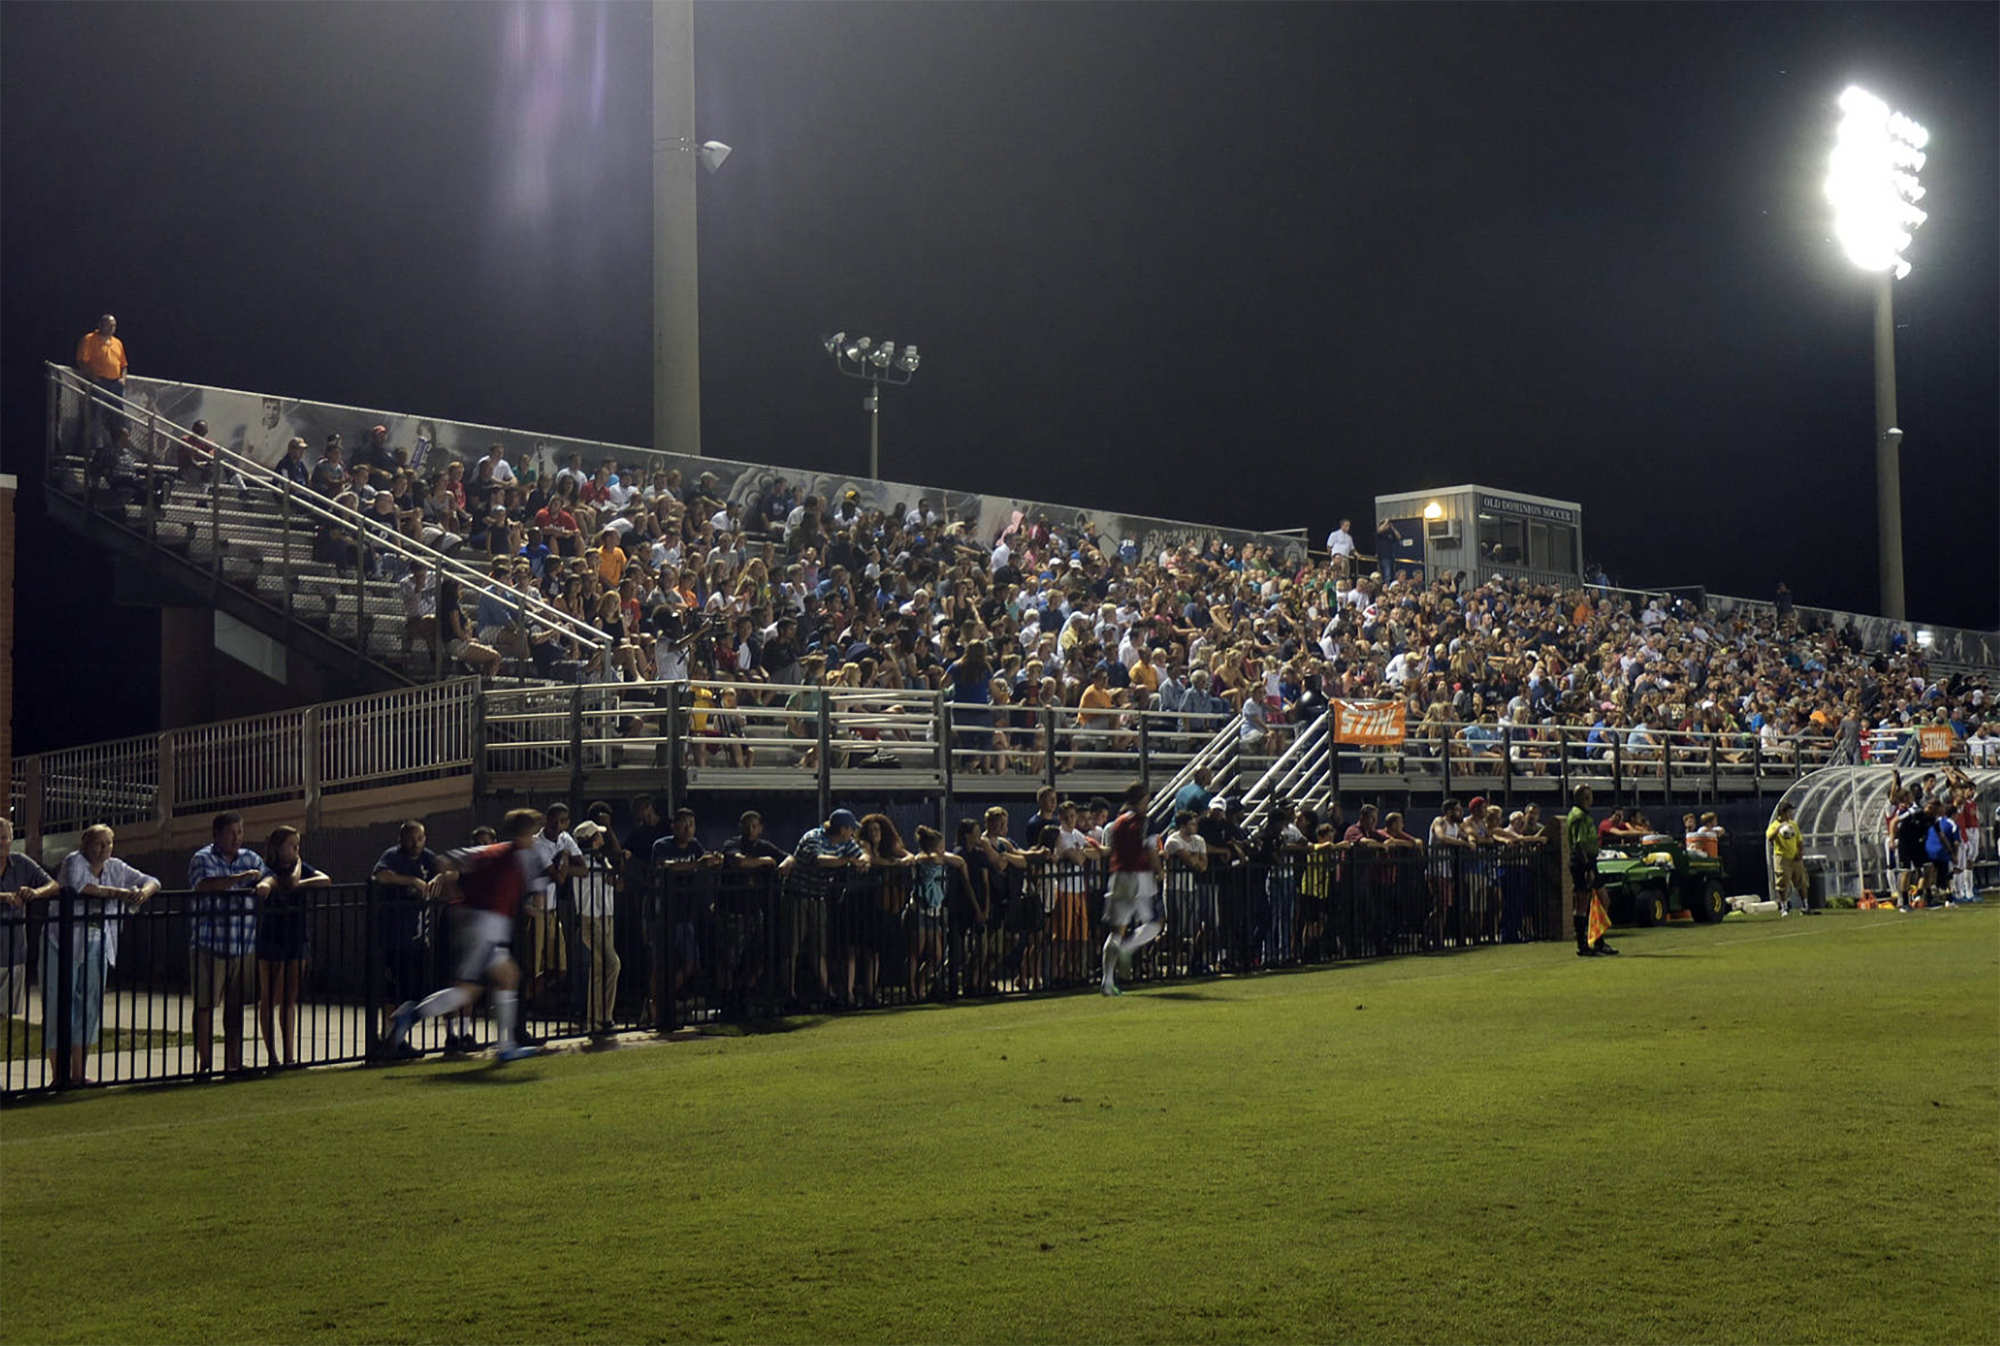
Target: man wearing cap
(374,459)
(816,862)
(594,900)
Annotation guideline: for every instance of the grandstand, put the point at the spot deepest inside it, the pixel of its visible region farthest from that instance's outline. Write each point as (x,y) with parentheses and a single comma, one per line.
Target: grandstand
(819,652)
(250,551)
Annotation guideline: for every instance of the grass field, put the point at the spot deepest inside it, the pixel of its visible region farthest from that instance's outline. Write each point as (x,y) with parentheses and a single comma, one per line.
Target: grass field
(1761,1131)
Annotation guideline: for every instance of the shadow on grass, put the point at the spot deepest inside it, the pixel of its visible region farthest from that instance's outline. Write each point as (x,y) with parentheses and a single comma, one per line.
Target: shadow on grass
(757,1028)
(487,1072)
(1173,995)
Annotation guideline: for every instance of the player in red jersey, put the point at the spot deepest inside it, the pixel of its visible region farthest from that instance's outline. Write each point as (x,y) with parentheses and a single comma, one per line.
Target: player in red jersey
(491,881)
(1132,900)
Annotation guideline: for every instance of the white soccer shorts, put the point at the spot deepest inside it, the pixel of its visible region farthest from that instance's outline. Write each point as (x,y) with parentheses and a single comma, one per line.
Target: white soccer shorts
(1129,899)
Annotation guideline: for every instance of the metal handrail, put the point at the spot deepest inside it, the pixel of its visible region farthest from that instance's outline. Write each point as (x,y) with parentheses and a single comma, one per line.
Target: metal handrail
(383,538)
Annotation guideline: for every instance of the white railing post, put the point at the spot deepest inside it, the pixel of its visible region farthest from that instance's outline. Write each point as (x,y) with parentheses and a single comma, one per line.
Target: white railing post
(163,793)
(309,751)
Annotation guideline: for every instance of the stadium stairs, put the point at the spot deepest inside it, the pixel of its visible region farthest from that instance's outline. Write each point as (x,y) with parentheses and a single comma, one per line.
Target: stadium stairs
(247,550)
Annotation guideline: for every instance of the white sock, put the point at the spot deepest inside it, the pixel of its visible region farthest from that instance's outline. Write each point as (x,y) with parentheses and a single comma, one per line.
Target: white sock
(442,1002)
(503,1016)
(1110,958)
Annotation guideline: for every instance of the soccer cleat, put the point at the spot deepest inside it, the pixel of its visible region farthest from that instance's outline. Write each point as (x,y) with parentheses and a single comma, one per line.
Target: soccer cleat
(1113,990)
(520,1051)
(1604,947)
(1586,953)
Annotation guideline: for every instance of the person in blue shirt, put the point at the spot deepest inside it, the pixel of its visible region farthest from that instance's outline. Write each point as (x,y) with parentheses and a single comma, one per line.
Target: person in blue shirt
(1941,845)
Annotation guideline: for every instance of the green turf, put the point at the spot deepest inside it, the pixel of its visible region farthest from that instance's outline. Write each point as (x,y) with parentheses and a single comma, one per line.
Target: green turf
(1763,1131)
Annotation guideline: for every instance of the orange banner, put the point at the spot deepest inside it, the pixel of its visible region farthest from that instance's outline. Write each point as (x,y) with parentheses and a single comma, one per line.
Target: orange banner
(1935,741)
(1375,723)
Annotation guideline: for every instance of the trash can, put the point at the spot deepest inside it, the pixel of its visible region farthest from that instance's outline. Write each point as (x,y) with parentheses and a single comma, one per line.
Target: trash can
(1818,867)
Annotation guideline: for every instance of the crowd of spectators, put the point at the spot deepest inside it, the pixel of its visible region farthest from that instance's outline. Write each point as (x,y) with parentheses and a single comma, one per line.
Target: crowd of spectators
(794,588)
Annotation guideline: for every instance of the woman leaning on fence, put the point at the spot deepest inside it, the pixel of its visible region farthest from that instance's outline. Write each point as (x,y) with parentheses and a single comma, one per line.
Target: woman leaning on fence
(97,888)
(283,942)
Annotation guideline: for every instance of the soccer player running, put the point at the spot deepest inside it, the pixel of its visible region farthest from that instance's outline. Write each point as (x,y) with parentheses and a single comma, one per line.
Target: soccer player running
(1131,903)
(1581,833)
(491,880)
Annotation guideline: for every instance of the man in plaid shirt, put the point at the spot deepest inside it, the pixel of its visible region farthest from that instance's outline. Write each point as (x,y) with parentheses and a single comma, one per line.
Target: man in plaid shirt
(820,851)
(222,956)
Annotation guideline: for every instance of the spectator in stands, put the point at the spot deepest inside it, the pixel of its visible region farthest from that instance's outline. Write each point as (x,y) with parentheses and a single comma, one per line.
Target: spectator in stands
(223,946)
(816,862)
(458,637)
(418,591)
(330,476)
(374,462)
(293,467)
(95,884)
(595,899)
(22,882)
(1340,548)
(284,941)
(407,878)
(334,542)
(100,357)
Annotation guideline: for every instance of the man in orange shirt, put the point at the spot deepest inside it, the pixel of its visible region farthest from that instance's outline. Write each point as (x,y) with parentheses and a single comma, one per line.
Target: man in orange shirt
(100,357)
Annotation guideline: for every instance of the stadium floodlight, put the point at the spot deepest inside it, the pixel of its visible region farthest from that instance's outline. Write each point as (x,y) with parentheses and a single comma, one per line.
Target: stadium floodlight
(711,154)
(878,364)
(1872,183)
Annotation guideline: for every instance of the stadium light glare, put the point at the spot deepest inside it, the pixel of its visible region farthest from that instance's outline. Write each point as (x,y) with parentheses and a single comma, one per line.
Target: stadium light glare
(1872,183)
(833,342)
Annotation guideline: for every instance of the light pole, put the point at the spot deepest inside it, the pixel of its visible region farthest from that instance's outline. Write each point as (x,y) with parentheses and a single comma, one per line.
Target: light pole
(676,298)
(878,364)
(1872,183)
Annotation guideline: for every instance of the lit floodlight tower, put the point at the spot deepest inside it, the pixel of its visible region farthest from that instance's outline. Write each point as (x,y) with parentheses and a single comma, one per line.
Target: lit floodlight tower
(1872,183)
(862,358)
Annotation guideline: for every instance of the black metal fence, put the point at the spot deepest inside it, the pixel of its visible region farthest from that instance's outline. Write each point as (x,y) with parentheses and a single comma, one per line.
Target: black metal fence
(746,944)
(196,985)
(192,985)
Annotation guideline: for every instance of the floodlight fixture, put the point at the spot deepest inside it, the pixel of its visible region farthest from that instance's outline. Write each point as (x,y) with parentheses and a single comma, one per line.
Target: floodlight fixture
(1872,182)
(711,154)
(1433,511)
(877,363)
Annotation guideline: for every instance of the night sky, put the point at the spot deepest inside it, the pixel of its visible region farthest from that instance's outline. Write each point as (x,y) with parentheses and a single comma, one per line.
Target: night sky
(1241,264)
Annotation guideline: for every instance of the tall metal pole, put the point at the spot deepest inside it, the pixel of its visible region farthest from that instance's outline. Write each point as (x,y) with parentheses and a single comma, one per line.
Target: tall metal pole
(874,405)
(1888,471)
(676,303)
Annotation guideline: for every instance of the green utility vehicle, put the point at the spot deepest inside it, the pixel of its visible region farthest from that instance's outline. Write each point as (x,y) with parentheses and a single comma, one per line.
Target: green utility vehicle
(1651,883)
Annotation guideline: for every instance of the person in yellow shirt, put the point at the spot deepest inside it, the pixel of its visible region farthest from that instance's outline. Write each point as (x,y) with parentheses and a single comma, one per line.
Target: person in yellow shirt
(1786,862)
(1095,718)
(1145,676)
(100,357)
(611,558)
